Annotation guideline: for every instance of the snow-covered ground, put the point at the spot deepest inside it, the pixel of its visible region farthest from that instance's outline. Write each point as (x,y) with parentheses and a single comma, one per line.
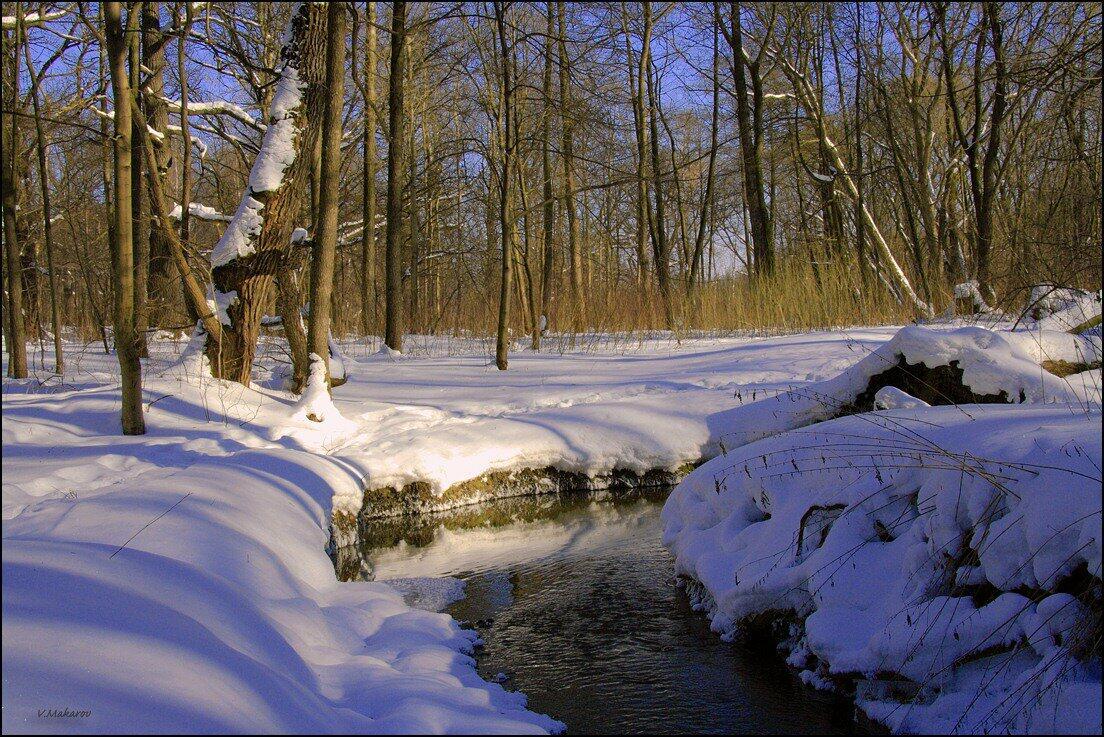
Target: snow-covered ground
(179,580)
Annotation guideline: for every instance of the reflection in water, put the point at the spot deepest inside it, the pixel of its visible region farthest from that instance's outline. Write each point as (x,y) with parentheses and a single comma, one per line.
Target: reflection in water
(577,603)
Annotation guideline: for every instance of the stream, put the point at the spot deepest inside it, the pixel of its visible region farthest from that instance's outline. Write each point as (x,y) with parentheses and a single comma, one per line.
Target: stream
(576,601)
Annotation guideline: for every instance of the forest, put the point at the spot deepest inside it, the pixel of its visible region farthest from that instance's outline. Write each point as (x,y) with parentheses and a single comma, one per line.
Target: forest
(465,367)
(572,168)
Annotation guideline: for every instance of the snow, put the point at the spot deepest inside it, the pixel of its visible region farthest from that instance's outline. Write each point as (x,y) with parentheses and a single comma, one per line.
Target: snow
(905,543)
(970,291)
(224,615)
(448,420)
(890,397)
(11,21)
(203,212)
(278,148)
(221,611)
(1057,308)
(217,107)
(220,302)
(178,581)
(1054,345)
(316,405)
(243,229)
(991,361)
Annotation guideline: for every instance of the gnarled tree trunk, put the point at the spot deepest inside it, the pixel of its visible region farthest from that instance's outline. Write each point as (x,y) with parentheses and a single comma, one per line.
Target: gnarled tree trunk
(257,242)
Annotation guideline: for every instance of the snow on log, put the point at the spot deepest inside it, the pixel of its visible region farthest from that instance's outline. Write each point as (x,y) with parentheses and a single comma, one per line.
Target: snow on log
(963,366)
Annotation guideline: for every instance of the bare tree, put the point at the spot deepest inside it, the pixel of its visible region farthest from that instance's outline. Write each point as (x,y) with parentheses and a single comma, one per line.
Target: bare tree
(47,210)
(17,341)
(981,162)
(567,115)
(746,71)
(396,168)
(548,208)
(324,245)
(505,183)
(368,298)
(126,339)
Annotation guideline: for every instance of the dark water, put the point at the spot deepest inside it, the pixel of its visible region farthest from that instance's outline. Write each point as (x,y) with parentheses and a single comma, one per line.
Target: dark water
(577,604)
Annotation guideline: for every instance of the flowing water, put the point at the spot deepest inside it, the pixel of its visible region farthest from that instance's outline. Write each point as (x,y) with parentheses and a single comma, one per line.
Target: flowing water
(576,601)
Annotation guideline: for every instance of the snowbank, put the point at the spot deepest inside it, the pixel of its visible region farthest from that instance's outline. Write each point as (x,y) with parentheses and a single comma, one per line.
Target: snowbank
(203,601)
(448,421)
(178,581)
(928,553)
(1055,345)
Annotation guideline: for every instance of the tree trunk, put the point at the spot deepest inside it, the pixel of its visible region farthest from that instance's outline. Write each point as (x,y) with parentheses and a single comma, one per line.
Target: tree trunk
(989,175)
(194,294)
(17,340)
(126,344)
(324,245)
(574,247)
(643,220)
(163,295)
(396,166)
(859,204)
(506,221)
(749,117)
(368,211)
(289,302)
(255,246)
(707,198)
(185,23)
(661,248)
(140,229)
(548,221)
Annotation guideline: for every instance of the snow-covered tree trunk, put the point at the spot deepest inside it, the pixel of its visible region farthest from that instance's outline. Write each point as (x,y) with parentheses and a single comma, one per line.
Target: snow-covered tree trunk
(256,244)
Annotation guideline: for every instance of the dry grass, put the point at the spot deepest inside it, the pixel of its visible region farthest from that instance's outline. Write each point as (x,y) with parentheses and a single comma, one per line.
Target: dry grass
(796,297)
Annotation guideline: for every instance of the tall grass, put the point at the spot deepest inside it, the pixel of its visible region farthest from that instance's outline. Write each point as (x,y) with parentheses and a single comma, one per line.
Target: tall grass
(797,296)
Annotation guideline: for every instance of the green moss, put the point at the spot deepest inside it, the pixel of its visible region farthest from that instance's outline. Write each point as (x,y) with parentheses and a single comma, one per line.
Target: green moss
(418,497)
